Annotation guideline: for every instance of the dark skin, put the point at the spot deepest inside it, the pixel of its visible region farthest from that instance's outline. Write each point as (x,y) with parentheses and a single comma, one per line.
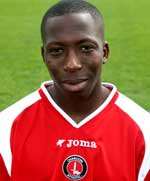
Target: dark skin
(74,51)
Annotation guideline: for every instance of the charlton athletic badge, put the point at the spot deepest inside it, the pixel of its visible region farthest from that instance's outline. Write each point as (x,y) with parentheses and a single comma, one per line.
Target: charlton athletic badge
(75,167)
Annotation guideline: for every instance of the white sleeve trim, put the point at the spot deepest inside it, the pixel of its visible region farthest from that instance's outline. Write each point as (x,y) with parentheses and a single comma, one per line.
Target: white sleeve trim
(142,118)
(7,118)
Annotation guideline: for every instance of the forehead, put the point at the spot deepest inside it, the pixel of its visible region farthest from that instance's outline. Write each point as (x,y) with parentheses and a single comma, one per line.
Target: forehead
(71,27)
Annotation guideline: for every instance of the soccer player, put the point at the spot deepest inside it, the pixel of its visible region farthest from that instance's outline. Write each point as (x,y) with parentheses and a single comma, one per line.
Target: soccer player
(75,127)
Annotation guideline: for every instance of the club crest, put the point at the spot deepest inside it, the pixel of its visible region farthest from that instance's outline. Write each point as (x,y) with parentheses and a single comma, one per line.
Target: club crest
(75,167)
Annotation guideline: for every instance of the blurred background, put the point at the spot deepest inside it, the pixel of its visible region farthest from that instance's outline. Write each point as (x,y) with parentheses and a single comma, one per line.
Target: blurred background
(127,26)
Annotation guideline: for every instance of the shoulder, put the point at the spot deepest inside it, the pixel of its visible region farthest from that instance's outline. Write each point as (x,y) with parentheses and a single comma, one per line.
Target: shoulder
(126,107)
(139,115)
(8,116)
(136,112)
(142,118)
(7,119)
(12,111)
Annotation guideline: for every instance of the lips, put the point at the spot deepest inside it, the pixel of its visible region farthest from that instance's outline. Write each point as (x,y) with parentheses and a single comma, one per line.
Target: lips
(74,81)
(75,85)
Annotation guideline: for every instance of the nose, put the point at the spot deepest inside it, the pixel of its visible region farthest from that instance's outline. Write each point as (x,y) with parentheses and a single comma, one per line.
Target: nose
(72,62)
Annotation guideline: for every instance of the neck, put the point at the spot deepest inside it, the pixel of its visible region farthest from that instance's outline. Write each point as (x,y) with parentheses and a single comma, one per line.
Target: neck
(79,106)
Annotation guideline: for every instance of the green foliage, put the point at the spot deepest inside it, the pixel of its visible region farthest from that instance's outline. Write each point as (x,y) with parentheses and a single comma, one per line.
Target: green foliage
(127,30)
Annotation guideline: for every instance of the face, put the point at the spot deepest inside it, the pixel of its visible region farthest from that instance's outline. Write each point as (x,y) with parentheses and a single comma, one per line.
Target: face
(73,52)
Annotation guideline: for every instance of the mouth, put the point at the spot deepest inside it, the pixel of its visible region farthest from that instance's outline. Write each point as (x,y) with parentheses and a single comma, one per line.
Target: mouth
(75,85)
(74,81)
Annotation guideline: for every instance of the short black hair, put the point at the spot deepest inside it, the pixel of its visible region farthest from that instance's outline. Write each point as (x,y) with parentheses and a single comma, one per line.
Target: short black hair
(67,7)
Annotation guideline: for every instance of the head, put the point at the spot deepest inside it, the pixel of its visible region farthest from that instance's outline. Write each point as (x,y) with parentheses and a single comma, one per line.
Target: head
(73,45)
(64,7)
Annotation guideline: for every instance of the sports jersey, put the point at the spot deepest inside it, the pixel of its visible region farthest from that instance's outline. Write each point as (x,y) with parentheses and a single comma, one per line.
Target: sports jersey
(41,142)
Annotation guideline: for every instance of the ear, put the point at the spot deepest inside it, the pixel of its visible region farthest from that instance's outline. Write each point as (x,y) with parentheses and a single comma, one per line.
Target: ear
(42,53)
(105,52)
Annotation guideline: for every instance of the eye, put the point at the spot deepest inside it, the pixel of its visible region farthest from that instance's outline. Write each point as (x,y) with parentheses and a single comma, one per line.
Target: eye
(55,51)
(87,48)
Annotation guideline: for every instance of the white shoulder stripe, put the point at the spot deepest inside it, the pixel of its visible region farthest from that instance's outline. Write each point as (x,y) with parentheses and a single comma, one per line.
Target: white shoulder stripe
(7,118)
(142,118)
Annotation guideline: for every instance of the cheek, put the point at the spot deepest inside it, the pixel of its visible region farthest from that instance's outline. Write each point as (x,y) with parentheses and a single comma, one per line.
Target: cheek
(53,69)
(95,62)
(97,59)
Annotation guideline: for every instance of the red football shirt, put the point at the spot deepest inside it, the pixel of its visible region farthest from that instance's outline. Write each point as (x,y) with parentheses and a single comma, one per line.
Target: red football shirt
(40,142)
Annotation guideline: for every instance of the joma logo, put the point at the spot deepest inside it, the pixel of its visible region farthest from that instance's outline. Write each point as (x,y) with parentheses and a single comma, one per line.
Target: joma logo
(76,143)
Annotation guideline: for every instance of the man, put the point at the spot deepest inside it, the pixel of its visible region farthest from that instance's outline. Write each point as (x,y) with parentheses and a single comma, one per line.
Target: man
(75,127)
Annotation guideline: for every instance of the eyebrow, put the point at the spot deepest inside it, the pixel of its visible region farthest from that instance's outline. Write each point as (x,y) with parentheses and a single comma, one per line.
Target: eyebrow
(87,40)
(77,42)
(54,43)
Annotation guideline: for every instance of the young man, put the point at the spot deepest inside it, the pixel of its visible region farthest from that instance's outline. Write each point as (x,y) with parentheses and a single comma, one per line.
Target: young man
(75,127)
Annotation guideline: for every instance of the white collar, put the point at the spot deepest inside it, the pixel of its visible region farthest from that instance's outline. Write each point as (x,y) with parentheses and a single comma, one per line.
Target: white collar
(90,116)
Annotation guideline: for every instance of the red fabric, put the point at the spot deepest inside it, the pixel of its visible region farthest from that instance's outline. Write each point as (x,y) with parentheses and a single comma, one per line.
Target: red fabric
(47,142)
(3,172)
(47,146)
(147,177)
